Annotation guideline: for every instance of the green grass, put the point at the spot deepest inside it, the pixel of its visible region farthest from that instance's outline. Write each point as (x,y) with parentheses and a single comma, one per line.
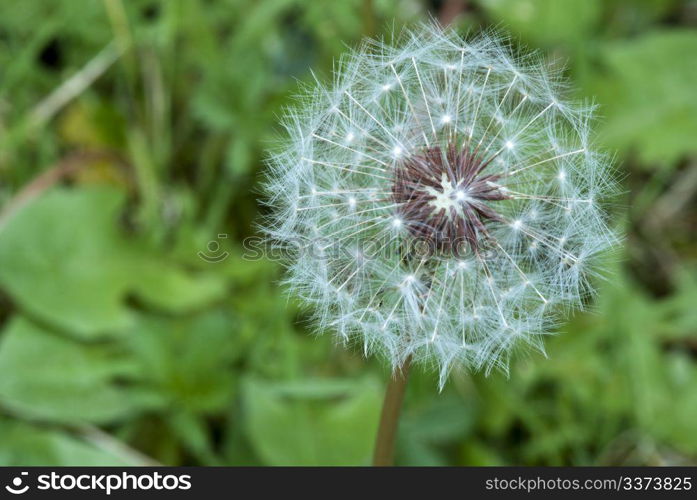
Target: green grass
(132,134)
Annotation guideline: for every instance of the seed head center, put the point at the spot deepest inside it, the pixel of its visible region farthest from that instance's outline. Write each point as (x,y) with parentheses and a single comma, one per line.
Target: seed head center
(445,196)
(449,197)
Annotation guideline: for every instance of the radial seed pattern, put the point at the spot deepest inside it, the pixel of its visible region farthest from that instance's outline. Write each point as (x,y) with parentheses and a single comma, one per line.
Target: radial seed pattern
(441,200)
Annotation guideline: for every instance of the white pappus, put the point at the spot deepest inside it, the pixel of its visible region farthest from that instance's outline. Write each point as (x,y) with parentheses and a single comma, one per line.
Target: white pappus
(440,199)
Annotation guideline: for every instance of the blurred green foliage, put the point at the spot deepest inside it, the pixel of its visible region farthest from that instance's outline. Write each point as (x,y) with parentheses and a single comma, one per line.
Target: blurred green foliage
(132,135)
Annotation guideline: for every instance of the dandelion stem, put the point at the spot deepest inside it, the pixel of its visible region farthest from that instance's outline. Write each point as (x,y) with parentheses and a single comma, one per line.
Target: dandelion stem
(391,408)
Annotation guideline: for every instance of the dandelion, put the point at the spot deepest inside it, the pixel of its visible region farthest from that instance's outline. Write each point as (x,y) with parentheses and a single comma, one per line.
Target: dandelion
(444,200)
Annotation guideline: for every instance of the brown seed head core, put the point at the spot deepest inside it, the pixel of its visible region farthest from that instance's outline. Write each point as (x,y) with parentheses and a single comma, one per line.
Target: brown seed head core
(445,198)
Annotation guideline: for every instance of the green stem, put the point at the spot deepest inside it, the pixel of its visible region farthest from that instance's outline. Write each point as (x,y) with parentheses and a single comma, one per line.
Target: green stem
(389,419)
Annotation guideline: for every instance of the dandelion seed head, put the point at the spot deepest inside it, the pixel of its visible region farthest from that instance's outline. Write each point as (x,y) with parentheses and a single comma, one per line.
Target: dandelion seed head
(466,187)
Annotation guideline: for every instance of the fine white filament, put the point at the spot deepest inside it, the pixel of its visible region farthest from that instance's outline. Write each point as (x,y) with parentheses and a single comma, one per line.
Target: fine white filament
(331,185)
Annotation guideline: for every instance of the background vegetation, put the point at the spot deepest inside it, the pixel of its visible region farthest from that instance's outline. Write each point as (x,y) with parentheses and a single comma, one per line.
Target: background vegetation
(132,134)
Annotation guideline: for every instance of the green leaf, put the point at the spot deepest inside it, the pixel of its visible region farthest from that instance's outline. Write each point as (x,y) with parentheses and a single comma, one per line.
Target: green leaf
(47,376)
(165,287)
(64,260)
(629,16)
(187,362)
(546,21)
(25,445)
(194,436)
(60,259)
(425,431)
(312,422)
(647,91)
(629,374)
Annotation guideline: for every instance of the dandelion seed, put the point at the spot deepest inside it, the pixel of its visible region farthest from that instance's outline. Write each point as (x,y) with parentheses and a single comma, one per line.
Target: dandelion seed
(475,253)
